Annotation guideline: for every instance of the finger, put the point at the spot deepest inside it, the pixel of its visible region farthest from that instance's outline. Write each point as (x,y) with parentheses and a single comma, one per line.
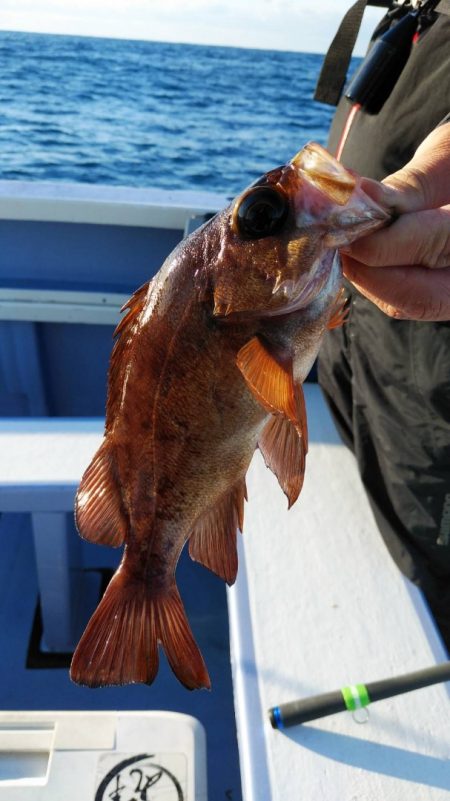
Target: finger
(419,238)
(420,184)
(405,292)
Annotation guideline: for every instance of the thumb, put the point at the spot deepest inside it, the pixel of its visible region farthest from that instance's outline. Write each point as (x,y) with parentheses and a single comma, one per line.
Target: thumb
(422,183)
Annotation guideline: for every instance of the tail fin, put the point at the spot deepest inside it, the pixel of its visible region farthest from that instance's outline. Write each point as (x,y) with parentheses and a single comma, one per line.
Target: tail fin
(120,643)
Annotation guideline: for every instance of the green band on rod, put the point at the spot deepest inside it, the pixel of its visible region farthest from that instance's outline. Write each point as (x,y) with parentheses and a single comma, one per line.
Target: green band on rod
(355,696)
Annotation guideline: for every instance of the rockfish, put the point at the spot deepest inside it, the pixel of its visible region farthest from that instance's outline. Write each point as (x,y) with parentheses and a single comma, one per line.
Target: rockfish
(207,365)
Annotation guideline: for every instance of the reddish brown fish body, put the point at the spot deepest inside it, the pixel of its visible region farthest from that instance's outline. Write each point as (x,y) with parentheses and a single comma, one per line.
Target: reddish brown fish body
(175,437)
(207,365)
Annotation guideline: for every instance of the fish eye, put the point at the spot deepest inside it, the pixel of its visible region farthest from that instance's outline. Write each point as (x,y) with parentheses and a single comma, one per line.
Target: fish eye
(261,212)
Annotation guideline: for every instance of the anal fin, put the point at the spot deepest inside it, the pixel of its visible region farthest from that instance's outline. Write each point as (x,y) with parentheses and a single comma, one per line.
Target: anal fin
(98,505)
(302,421)
(213,540)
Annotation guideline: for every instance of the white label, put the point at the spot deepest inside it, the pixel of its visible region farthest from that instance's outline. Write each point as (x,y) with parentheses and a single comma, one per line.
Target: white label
(141,777)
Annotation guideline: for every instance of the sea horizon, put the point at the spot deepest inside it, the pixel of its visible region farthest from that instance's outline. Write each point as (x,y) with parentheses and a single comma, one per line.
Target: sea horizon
(140,113)
(159,41)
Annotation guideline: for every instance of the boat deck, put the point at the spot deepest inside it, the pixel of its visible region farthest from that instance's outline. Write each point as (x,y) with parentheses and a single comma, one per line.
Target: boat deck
(318,603)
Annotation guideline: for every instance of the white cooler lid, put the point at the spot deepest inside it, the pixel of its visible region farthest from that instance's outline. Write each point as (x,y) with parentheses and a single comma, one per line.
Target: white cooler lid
(99,756)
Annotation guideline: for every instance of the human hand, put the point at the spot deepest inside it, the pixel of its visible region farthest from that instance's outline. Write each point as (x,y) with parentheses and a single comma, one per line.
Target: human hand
(405,269)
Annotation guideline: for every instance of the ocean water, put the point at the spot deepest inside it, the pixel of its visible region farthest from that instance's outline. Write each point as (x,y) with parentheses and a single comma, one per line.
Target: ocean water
(149,114)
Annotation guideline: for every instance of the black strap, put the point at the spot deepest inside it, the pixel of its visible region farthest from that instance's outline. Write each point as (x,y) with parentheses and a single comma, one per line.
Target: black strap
(335,66)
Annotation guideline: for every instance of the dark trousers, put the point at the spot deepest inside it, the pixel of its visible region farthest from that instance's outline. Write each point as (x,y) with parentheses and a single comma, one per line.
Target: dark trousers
(387,383)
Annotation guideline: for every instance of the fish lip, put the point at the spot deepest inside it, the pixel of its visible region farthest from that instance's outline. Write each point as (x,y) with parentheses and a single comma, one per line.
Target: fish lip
(315,159)
(355,213)
(355,223)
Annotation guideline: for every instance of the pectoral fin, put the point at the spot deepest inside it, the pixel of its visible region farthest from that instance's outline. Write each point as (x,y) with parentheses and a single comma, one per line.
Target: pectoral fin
(339,311)
(269,377)
(284,447)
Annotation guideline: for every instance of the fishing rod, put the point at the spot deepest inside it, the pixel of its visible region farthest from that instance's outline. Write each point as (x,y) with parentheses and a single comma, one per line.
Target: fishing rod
(355,696)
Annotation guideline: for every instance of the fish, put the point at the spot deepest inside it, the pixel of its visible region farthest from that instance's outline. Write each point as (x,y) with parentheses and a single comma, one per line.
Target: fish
(208,365)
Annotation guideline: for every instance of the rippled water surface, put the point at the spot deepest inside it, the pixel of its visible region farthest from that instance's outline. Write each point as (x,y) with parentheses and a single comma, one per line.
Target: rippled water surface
(150,114)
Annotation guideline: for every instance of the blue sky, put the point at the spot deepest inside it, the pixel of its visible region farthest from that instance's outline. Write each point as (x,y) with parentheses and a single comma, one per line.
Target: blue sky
(272,24)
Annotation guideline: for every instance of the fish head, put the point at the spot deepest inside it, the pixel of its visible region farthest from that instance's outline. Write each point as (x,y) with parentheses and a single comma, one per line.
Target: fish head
(279,237)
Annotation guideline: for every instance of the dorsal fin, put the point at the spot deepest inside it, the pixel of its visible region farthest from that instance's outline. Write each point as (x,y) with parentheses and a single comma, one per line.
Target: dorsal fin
(98,508)
(99,512)
(123,336)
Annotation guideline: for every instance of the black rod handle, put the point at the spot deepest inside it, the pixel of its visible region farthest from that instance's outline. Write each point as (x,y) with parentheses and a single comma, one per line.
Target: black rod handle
(380,70)
(355,696)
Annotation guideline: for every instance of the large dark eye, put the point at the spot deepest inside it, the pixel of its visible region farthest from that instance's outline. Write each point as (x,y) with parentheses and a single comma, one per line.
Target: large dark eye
(261,212)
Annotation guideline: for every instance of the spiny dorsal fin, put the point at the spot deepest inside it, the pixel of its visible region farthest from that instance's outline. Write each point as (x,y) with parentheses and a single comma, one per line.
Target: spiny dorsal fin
(119,357)
(98,505)
(284,447)
(213,539)
(268,374)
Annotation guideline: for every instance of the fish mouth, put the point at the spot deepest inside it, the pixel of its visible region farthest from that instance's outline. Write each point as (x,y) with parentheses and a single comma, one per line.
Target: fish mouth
(338,202)
(324,172)
(329,199)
